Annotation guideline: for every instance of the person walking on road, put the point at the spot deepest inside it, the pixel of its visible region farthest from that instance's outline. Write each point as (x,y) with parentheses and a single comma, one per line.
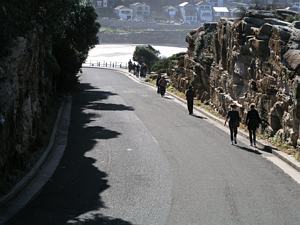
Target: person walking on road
(162,86)
(189,94)
(130,66)
(157,83)
(253,120)
(234,122)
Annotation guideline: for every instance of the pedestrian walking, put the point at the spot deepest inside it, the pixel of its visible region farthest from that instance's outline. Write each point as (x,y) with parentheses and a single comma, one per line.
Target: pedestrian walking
(253,120)
(189,94)
(234,122)
(144,69)
(162,86)
(130,65)
(157,83)
(138,67)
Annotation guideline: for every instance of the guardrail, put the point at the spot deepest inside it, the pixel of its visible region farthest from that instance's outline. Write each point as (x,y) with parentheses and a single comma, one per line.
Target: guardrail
(106,64)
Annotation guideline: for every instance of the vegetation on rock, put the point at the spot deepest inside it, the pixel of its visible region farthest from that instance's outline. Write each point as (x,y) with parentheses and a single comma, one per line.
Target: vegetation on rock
(69,25)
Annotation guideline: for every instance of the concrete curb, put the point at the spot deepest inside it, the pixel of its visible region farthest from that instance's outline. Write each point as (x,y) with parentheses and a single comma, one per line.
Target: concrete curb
(268,146)
(27,178)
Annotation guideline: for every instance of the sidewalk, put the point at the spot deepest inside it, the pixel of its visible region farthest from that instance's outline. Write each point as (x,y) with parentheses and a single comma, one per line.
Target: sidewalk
(266,145)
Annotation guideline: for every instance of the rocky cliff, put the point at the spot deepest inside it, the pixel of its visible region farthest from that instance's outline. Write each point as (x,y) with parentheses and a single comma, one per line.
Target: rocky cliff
(26,89)
(255,59)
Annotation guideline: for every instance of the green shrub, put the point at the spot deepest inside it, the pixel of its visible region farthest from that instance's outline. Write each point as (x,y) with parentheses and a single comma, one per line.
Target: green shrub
(146,54)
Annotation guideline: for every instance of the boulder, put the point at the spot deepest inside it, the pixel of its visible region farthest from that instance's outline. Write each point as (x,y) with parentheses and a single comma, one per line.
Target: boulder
(265,31)
(296,24)
(292,58)
(257,22)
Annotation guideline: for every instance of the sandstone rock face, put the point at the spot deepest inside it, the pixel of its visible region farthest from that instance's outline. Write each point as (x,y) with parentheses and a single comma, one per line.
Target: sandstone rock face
(26,85)
(252,60)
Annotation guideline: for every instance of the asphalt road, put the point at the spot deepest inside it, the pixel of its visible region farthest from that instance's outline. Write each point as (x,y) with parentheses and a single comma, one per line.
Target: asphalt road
(136,158)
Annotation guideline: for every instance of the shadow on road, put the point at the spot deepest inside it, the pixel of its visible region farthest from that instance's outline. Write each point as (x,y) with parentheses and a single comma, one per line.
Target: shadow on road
(73,194)
(267,148)
(199,117)
(248,149)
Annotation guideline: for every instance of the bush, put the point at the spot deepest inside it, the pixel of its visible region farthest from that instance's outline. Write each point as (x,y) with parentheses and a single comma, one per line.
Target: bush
(146,54)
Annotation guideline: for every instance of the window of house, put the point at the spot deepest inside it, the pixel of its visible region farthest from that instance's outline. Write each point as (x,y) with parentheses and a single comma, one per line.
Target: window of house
(99,4)
(104,3)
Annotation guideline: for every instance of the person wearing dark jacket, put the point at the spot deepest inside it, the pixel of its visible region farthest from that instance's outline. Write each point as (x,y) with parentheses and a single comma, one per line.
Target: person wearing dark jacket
(252,120)
(157,83)
(162,85)
(234,122)
(189,94)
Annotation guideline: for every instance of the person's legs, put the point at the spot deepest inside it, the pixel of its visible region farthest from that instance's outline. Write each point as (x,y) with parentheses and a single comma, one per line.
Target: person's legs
(235,133)
(162,91)
(231,134)
(190,106)
(250,137)
(254,137)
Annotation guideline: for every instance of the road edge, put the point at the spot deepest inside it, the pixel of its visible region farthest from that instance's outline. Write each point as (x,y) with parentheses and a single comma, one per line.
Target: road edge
(32,173)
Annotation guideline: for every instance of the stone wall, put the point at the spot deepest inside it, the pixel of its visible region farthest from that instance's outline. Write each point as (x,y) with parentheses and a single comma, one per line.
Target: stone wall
(26,86)
(252,60)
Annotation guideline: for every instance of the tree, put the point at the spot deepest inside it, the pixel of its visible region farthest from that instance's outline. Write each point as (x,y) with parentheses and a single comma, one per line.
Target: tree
(146,54)
(72,46)
(70,25)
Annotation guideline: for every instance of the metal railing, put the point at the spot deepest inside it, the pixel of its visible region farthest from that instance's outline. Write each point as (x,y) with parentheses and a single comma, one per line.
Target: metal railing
(106,64)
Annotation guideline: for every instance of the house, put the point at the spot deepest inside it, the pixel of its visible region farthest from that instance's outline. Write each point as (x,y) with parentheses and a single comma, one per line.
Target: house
(204,11)
(124,13)
(188,13)
(170,11)
(141,11)
(98,4)
(219,12)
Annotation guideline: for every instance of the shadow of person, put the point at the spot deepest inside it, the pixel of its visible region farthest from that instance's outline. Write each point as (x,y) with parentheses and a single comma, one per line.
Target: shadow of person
(100,220)
(267,148)
(76,186)
(197,116)
(248,149)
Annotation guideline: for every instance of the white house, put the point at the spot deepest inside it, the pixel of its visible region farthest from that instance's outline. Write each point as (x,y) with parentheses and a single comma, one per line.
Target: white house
(170,11)
(204,11)
(124,13)
(188,12)
(140,11)
(220,12)
(101,3)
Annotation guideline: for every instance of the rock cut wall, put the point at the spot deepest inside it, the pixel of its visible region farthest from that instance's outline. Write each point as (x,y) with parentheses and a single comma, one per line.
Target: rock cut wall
(255,59)
(26,87)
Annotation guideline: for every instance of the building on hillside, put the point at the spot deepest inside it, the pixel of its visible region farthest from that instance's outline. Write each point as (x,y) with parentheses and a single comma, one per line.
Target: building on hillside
(220,3)
(141,11)
(188,12)
(271,4)
(204,11)
(98,4)
(219,12)
(124,13)
(170,12)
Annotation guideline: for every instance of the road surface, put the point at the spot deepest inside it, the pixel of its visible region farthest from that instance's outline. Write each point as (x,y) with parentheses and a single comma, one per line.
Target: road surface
(134,157)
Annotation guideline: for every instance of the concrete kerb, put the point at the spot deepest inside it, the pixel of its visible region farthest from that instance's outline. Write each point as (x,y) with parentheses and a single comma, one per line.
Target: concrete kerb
(272,149)
(26,179)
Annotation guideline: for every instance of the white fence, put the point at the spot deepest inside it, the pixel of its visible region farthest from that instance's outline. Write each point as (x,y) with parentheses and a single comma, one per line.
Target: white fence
(106,64)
